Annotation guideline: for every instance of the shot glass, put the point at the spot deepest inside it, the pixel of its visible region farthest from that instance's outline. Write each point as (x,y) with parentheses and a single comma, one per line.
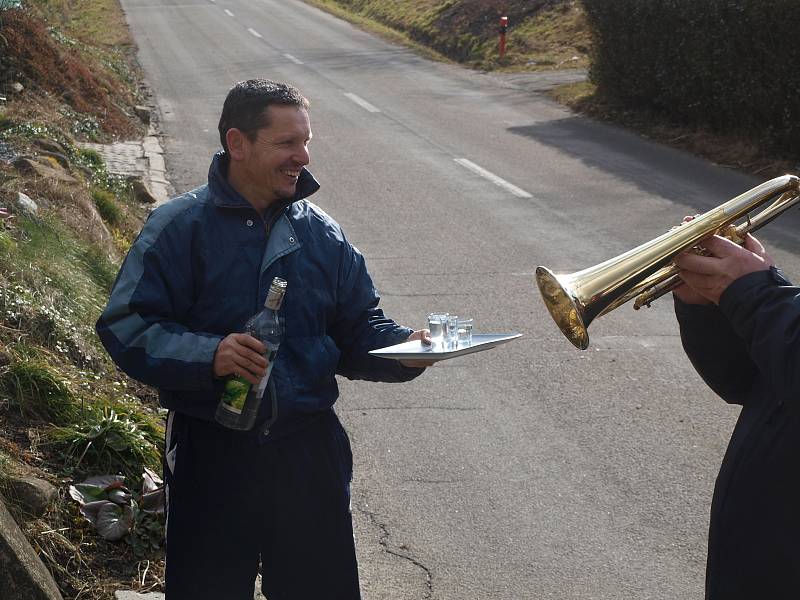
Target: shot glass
(451,334)
(437,324)
(464,333)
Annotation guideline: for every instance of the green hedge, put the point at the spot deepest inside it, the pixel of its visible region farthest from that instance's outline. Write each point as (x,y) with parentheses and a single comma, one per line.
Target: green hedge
(728,64)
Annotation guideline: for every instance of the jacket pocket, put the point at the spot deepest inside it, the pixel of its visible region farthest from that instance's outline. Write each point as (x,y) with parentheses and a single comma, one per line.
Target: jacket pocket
(311,362)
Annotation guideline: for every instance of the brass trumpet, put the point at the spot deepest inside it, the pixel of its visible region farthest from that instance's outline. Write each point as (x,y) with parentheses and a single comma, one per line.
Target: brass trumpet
(647,272)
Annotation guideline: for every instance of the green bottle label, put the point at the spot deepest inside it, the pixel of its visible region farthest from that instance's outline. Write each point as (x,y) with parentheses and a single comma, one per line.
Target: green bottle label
(235,393)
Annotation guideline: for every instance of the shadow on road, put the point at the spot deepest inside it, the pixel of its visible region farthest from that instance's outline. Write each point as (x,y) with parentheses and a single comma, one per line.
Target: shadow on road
(655,169)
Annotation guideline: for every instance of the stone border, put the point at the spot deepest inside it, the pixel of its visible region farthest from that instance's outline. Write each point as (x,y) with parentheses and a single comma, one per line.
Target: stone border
(143,159)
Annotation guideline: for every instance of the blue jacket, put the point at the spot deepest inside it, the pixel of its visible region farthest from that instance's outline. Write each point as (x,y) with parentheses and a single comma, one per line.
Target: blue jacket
(748,351)
(202,266)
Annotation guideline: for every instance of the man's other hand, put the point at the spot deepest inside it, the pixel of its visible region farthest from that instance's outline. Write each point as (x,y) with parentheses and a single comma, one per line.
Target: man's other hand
(241,354)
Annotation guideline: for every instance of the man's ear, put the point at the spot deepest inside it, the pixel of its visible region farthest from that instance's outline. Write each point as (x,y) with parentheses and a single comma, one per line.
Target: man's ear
(237,142)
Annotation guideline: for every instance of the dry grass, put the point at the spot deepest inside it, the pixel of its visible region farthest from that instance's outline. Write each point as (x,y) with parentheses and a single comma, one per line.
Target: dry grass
(543,34)
(56,71)
(557,37)
(94,22)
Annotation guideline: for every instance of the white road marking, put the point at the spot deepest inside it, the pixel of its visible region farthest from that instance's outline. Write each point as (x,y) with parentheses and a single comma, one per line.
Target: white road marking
(498,181)
(254,32)
(294,59)
(362,103)
(229,13)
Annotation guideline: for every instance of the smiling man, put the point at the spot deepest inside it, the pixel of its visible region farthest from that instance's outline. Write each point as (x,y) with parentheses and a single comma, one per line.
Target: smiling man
(278,494)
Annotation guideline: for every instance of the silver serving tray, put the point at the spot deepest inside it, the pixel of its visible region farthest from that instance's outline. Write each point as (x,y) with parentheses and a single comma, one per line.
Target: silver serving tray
(416,350)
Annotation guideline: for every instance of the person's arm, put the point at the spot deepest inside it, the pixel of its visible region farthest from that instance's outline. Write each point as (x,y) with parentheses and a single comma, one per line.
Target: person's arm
(141,326)
(764,310)
(760,305)
(360,326)
(717,353)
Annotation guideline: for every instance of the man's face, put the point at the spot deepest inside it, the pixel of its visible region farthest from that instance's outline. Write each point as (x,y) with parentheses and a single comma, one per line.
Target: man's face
(272,161)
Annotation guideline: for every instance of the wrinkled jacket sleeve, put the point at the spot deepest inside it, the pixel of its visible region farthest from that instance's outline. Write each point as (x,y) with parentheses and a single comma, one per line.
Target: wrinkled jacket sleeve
(141,324)
(717,353)
(764,310)
(360,326)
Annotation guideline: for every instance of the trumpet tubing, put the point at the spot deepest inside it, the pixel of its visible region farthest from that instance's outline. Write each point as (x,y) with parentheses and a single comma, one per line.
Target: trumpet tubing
(647,271)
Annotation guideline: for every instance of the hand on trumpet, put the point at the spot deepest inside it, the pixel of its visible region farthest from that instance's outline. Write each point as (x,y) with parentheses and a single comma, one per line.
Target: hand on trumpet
(707,277)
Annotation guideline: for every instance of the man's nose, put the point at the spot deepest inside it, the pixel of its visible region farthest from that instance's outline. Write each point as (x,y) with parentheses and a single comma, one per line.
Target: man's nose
(302,156)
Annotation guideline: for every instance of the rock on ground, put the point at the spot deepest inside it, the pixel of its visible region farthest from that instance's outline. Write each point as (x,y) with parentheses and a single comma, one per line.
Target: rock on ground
(33,495)
(23,576)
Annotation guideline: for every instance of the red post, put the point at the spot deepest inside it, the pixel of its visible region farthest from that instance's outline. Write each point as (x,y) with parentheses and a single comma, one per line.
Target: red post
(503,29)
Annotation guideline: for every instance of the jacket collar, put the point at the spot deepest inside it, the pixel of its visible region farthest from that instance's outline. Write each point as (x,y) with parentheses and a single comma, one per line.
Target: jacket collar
(225,196)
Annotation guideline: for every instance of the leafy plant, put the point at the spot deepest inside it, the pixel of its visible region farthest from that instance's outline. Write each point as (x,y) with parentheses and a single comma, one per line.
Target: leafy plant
(107,206)
(109,442)
(86,157)
(30,130)
(87,126)
(111,507)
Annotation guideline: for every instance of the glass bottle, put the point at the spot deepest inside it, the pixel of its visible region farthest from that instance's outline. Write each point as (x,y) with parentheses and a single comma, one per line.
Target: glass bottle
(238,407)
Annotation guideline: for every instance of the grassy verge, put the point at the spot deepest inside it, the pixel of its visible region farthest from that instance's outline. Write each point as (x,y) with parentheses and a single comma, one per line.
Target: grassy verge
(382,30)
(541,36)
(66,413)
(554,38)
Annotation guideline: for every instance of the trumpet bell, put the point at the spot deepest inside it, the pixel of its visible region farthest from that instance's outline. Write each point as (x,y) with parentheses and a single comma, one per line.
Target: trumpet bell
(566,309)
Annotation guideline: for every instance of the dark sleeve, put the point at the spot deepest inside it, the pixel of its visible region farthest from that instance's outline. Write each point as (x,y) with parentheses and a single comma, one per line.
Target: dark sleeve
(360,326)
(140,326)
(718,354)
(764,310)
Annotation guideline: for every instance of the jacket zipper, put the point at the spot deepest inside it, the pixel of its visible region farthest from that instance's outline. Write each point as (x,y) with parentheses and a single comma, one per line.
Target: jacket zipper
(273,395)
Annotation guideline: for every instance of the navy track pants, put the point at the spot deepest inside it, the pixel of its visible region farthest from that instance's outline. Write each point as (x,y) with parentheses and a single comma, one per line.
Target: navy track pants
(233,502)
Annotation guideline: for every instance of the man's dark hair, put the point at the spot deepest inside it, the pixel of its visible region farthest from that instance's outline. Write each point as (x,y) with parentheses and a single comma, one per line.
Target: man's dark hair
(245,106)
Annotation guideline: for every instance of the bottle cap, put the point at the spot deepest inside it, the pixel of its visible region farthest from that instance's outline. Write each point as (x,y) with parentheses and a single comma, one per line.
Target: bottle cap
(275,295)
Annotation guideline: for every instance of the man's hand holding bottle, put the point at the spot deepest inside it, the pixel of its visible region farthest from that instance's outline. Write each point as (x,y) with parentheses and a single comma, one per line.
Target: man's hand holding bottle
(240,354)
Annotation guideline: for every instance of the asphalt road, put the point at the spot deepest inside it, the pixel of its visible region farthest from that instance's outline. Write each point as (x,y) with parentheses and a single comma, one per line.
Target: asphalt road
(533,470)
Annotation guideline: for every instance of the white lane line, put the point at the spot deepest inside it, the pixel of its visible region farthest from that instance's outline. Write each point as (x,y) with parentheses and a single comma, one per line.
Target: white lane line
(294,59)
(498,181)
(254,32)
(362,103)
(229,13)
